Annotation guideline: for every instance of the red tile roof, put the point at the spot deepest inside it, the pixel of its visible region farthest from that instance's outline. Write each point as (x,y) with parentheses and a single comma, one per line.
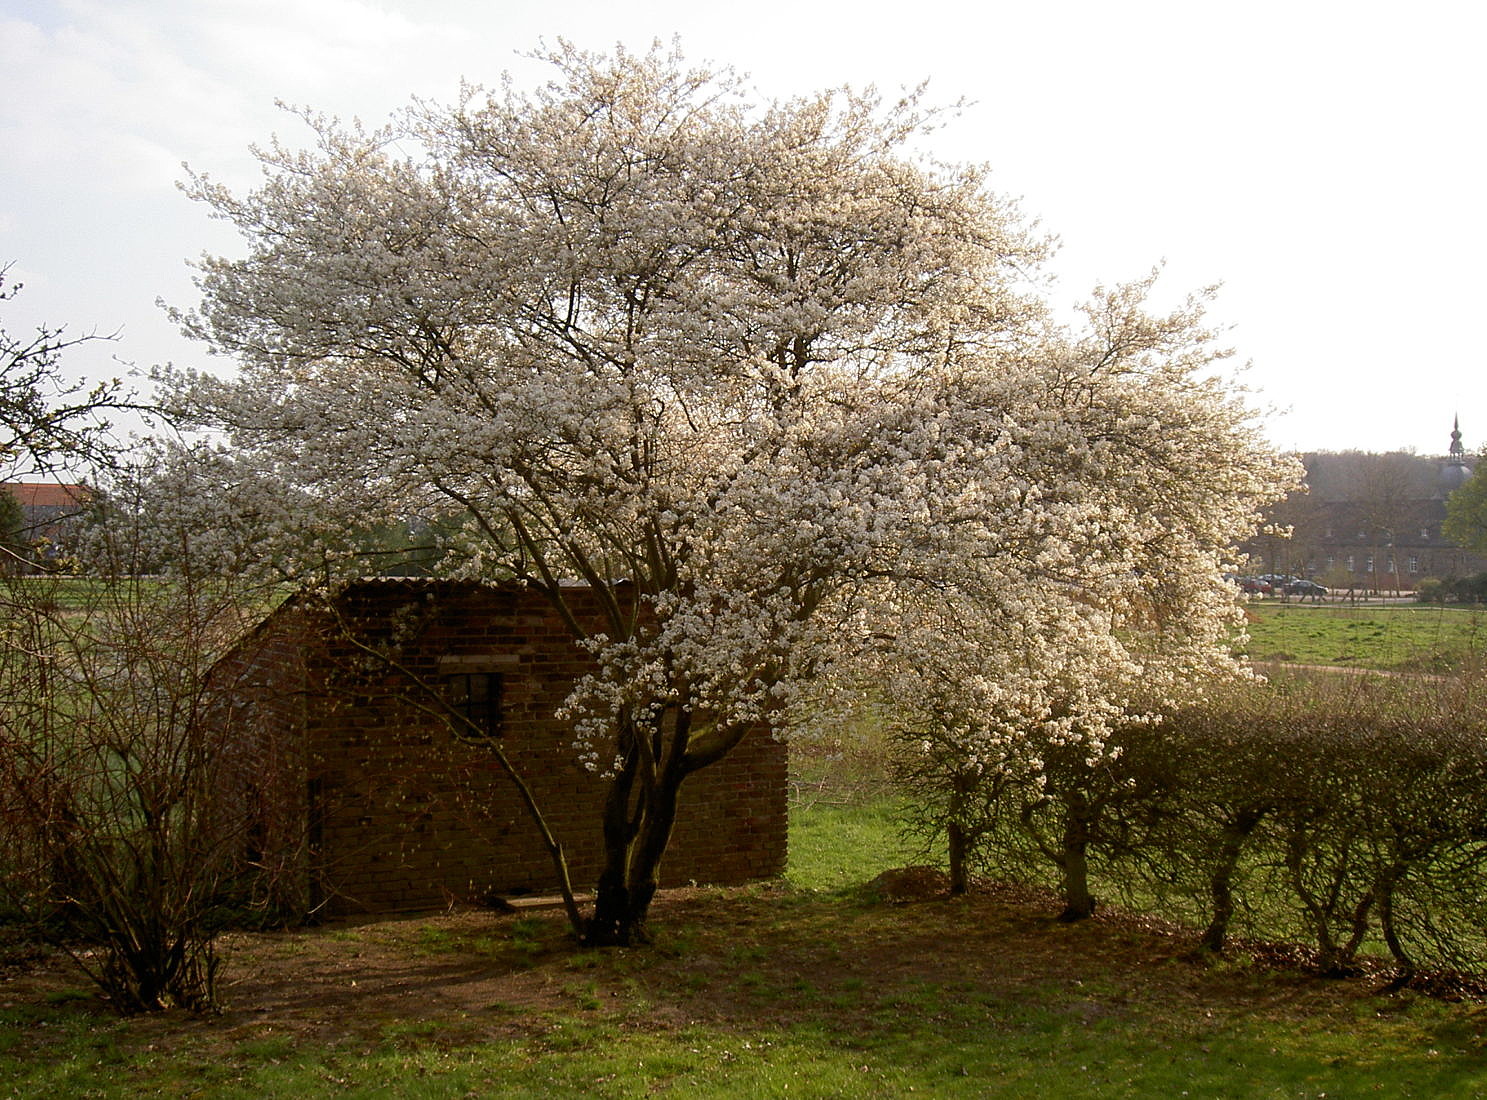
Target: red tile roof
(47,494)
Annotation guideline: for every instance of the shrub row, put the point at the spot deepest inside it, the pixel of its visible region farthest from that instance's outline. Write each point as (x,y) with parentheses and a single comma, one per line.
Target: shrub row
(1344,811)
(1472,589)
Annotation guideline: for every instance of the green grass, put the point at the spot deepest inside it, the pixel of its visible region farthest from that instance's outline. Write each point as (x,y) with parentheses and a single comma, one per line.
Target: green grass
(1034,1056)
(805,989)
(798,1016)
(838,845)
(1406,638)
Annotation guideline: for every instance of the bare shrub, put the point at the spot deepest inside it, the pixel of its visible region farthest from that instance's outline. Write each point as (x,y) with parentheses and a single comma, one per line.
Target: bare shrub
(124,814)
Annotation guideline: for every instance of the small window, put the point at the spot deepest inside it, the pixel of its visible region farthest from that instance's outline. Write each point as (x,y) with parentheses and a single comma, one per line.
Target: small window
(474,688)
(476,696)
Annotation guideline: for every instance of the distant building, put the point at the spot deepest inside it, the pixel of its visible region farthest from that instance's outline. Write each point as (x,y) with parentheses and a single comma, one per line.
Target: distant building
(49,509)
(1371,522)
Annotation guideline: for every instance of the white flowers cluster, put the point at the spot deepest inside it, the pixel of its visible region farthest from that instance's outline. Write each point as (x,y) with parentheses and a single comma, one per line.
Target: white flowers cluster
(785,398)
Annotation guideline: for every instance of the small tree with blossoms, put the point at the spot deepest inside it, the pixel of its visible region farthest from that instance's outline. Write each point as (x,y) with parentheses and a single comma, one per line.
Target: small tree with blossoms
(1077,617)
(752,372)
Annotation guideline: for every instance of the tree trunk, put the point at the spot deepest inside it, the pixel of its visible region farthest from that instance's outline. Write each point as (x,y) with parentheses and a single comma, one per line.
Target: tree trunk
(1384,891)
(1221,881)
(1322,908)
(956,841)
(1344,963)
(1079,903)
(611,921)
(629,881)
(638,820)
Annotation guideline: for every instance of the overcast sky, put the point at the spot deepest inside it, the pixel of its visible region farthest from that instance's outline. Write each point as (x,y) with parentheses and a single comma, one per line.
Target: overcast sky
(1323,161)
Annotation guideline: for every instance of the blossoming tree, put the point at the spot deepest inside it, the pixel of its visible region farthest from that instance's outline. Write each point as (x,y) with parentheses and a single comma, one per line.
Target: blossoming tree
(755,374)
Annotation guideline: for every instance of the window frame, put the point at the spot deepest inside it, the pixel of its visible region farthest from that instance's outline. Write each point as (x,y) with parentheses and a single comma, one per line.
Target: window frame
(484,710)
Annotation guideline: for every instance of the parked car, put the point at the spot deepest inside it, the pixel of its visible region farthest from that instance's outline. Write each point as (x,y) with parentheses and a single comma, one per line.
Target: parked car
(1306,588)
(1252,585)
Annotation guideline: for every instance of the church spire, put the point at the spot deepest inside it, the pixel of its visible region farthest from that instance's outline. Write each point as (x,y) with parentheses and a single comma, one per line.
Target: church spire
(1455,470)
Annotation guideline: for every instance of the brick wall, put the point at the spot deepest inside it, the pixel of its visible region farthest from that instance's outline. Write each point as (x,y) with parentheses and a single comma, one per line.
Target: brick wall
(398,812)
(257,702)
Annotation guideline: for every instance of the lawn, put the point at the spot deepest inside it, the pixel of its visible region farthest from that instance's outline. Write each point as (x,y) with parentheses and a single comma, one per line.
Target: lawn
(754,993)
(821,985)
(1399,638)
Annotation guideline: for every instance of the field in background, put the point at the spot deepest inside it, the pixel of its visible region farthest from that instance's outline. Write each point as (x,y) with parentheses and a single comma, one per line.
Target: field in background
(1395,638)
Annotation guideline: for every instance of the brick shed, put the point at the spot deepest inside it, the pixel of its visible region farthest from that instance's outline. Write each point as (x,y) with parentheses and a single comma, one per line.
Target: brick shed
(367,801)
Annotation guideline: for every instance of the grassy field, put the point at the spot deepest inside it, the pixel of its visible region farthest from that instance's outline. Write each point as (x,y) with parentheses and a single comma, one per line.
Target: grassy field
(822,985)
(1401,638)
